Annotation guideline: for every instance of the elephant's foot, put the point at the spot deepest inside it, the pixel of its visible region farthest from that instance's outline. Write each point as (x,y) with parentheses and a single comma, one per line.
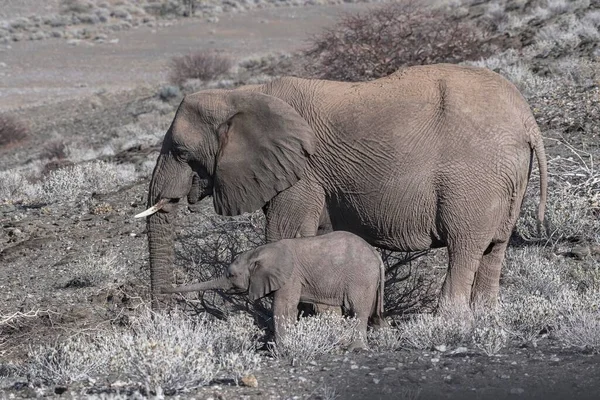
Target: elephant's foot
(357,345)
(453,306)
(161,302)
(379,323)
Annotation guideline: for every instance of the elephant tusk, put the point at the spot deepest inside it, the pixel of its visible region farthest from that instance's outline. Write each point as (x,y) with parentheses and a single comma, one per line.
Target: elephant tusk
(161,203)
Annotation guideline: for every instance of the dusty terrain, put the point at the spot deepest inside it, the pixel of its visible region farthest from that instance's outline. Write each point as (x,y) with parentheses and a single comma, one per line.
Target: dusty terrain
(73,259)
(51,70)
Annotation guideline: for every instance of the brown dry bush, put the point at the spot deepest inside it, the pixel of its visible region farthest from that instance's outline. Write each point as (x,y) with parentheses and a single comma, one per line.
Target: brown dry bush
(54,150)
(12,131)
(206,254)
(377,43)
(411,286)
(203,65)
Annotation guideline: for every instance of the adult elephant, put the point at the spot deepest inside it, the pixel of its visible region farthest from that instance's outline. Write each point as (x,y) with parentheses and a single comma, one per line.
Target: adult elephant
(430,156)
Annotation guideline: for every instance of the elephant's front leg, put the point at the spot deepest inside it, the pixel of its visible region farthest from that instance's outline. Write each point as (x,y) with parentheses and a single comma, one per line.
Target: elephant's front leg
(285,303)
(296,212)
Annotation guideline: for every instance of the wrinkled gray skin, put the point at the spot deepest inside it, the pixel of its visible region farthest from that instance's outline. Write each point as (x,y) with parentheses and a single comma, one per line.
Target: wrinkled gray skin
(334,269)
(430,156)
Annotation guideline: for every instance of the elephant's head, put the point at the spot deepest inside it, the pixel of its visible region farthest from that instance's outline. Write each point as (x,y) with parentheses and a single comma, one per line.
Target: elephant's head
(241,146)
(258,272)
(261,271)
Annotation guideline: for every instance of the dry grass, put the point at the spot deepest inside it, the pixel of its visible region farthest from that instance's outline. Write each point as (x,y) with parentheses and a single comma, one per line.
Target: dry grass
(157,354)
(313,336)
(203,65)
(581,330)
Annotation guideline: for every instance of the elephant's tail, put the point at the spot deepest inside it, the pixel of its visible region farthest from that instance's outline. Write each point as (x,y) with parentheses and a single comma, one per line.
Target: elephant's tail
(537,146)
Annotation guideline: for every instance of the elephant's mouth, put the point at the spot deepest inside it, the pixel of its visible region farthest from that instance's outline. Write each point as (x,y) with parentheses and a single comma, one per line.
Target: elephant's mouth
(165,205)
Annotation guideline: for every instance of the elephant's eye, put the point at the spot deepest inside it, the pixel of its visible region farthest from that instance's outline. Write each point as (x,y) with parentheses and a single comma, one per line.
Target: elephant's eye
(223,129)
(182,155)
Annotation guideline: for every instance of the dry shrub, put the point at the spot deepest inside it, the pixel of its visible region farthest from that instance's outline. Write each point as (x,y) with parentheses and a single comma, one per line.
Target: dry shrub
(311,337)
(204,65)
(411,284)
(82,180)
(55,150)
(271,64)
(206,249)
(573,204)
(451,328)
(375,44)
(155,353)
(581,329)
(75,6)
(12,131)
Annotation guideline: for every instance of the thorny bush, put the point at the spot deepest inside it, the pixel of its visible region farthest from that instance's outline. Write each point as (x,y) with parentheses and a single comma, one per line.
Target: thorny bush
(204,65)
(377,43)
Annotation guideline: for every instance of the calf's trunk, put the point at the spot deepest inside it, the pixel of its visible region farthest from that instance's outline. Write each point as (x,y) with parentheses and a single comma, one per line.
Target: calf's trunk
(219,283)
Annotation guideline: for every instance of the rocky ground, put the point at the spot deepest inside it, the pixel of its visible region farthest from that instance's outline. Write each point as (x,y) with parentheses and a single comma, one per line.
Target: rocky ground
(73,259)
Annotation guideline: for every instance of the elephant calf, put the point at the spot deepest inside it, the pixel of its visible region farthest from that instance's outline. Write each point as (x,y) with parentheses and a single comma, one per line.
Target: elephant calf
(336,269)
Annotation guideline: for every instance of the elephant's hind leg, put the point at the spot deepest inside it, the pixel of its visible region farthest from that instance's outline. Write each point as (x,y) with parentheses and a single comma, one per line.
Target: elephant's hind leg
(360,303)
(462,267)
(487,280)
(470,227)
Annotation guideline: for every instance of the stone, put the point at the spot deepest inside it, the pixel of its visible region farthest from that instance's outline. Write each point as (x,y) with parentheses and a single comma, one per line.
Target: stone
(250,381)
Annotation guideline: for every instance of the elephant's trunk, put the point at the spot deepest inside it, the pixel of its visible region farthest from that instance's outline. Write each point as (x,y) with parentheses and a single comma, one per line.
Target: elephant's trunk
(161,248)
(170,182)
(219,283)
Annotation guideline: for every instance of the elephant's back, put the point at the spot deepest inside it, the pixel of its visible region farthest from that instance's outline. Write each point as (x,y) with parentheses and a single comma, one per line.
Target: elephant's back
(418,101)
(422,112)
(340,247)
(409,142)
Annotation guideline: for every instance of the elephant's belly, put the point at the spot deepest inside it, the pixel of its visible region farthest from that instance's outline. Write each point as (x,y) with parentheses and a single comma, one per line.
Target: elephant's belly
(398,221)
(322,299)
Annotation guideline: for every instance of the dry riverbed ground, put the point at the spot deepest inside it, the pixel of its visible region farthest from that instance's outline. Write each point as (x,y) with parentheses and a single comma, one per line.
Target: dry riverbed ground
(73,262)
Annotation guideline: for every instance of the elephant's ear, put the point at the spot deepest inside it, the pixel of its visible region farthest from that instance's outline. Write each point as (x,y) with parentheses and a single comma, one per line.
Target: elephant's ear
(267,277)
(263,150)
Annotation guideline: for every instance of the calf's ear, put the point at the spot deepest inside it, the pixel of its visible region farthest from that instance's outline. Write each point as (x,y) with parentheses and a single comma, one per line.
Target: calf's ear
(268,275)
